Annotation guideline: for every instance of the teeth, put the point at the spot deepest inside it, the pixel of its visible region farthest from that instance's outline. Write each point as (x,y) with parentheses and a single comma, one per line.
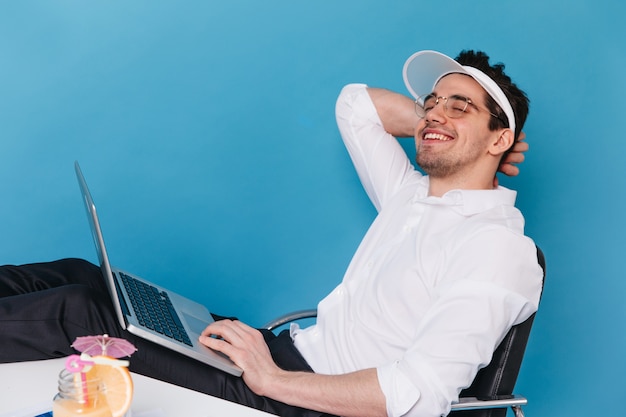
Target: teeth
(436,136)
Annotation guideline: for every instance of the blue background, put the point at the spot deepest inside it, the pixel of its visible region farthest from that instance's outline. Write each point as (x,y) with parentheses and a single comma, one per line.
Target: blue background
(206,132)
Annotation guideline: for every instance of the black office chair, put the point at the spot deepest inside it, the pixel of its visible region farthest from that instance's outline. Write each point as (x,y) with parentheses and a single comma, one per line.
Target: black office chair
(491,393)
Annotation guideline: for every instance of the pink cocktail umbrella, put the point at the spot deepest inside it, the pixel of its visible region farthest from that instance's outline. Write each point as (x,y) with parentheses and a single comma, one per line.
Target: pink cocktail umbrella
(104,345)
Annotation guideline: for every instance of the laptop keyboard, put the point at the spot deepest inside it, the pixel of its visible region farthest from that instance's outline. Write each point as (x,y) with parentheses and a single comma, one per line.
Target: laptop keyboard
(154,309)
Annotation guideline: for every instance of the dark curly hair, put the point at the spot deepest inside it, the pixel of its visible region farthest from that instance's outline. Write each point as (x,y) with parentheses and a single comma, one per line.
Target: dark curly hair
(518,99)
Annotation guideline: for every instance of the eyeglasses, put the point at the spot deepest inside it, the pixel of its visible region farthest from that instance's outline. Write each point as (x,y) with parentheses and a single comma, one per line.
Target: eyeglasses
(454,106)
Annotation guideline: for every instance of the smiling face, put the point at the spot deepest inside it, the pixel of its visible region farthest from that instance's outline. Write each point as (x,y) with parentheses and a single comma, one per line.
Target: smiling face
(457,149)
(459,152)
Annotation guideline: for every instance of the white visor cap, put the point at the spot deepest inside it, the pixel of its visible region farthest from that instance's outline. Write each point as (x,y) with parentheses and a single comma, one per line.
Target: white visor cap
(423,70)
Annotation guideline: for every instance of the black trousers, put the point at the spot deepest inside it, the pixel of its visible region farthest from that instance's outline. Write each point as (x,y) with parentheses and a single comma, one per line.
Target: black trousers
(45,306)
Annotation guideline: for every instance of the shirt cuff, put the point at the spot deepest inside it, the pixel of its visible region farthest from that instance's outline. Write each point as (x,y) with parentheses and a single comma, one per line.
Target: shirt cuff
(400,393)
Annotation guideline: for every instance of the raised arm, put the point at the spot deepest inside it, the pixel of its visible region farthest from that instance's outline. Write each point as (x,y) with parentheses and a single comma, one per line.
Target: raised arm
(397,112)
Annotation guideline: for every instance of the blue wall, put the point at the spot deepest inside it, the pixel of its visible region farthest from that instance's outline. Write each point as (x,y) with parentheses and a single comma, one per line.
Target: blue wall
(206,131)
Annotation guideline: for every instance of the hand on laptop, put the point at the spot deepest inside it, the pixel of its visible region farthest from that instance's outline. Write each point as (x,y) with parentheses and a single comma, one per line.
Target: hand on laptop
(352,394)
(245,346)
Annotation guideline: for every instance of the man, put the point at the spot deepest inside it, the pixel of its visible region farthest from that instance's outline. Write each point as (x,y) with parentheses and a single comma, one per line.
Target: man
(440,277)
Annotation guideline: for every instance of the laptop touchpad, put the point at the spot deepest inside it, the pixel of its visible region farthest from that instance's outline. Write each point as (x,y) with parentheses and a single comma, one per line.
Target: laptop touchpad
(195,324)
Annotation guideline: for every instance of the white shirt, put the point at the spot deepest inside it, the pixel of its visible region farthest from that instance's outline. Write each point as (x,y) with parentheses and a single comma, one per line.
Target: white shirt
(435,284)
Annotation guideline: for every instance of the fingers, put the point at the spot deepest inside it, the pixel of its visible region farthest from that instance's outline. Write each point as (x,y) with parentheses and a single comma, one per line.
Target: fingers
(515,157)
(520,145)
(233,338)
(232,331)
(509,169)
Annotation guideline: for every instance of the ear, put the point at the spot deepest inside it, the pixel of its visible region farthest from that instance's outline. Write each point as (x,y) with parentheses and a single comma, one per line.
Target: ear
(504,139)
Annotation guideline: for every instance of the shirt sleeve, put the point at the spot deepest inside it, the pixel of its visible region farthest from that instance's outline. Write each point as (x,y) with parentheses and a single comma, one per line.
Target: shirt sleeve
(473,312)
(379,160)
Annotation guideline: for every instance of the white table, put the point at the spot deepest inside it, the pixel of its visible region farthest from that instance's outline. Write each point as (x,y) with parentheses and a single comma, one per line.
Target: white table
(34,384)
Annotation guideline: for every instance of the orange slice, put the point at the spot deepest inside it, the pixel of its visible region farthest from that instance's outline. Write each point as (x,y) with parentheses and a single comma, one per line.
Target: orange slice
(117,386)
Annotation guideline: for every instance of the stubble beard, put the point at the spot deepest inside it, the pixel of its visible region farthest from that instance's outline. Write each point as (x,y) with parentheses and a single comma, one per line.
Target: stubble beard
(438,165)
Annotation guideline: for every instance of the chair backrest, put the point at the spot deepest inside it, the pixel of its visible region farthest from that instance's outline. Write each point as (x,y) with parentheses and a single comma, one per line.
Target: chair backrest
(498,378)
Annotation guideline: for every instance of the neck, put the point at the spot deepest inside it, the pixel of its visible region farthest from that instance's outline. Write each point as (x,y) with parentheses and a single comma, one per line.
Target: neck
(438,186)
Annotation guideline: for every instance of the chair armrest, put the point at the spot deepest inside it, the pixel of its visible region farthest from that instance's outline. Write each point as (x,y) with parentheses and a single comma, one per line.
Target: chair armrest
(289,317)
(473,403)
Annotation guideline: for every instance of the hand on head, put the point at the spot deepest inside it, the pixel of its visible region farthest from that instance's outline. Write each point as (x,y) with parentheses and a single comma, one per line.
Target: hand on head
(509,165)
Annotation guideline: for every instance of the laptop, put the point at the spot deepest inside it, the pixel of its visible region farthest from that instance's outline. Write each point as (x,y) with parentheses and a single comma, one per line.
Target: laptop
(150,311)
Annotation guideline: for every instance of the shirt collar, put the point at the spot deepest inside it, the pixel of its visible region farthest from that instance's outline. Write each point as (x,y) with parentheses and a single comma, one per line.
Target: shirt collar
(467,202)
